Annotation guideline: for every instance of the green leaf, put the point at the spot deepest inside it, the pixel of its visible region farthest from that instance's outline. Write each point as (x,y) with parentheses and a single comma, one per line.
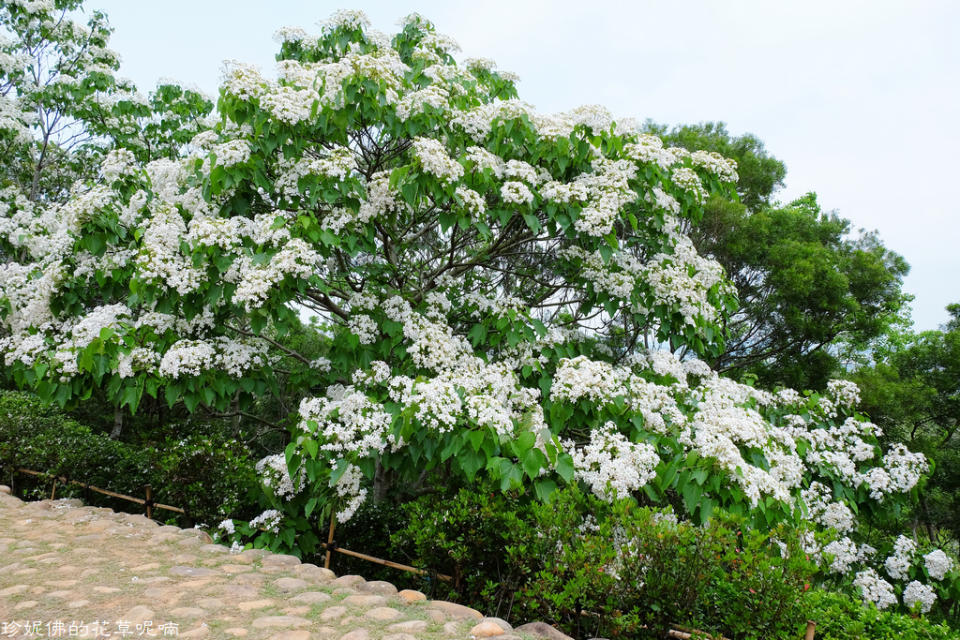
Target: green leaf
(478,334)
(691,496)
(533,462)
(476,439)
(524,442)
(368,466)
(533,222)
(471,462)
(565,467)
(544,489)
(706,508)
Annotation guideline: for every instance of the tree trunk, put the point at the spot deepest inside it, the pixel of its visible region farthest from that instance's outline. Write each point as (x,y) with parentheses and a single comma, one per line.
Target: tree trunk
(381,484)
(117,423)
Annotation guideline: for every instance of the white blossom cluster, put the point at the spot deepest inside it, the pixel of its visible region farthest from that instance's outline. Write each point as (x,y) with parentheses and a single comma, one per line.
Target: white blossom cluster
(683,280)
(846,393)
(875,589)
(275,476)
(349,490)
(434,159)
(898,564)
(611,465)
(845,554)
(724,168)
(348,422)
(919,595)
(937,564)
(269,520)
(825,511)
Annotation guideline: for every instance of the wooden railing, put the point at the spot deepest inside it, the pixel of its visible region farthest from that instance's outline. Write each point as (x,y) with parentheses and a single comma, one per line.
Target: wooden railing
(149,505)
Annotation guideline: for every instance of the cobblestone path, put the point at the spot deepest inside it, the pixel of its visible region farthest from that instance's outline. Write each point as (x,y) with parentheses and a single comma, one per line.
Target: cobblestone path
(67,570)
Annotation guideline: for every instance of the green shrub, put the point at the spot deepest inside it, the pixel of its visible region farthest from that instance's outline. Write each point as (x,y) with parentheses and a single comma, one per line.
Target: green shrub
(637,571)
(597,569)
(840,617)
(476,537)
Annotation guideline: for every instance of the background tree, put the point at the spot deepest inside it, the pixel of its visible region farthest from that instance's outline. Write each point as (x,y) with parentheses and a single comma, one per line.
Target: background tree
(62,106)
(912,391)
(810,291)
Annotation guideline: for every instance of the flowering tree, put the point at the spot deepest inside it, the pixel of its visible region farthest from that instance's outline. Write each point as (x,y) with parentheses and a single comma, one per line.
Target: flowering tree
(499,293)
(61,105)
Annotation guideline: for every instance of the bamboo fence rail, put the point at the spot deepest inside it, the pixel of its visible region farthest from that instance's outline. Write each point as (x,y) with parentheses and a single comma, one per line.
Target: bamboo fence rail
(149,505)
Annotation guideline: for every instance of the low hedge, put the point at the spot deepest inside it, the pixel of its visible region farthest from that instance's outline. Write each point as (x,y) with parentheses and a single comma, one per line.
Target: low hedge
(210,477)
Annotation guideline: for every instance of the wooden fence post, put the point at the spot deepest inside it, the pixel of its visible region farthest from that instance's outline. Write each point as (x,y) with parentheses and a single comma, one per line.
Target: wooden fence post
(333,524)
(811,629)
(148,503)
(53,490)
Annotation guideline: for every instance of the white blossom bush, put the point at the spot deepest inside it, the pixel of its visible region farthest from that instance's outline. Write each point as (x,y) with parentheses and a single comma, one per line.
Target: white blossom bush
(488,281)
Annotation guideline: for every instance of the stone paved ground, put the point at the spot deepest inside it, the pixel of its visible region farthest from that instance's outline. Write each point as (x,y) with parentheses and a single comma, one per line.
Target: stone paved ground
(64,564)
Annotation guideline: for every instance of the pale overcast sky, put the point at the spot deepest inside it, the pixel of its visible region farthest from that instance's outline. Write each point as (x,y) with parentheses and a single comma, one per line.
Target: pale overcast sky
(860,99)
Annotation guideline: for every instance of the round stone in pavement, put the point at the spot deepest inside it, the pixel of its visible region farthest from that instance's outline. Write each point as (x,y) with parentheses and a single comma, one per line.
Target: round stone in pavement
(289,584)
(332,613)
(499,621)
(455,610)
(293,634)
(408,626)
(137,614)
(409,595)
(379,587)
(350,581)
(250,605)
(364,601)
(542,630)
(280,621)
(312,571)
(193,572)
(279,559)
(487,630)
(383,614)
(311,597)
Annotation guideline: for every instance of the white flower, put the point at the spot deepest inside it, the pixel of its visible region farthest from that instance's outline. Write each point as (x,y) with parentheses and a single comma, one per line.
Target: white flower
(937,564)
(898,564)
(348,488)
(434,160)
(515,192)
(269,520)
(275,475)
(845,555)
(613,466)
(875,589)
(919,594)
